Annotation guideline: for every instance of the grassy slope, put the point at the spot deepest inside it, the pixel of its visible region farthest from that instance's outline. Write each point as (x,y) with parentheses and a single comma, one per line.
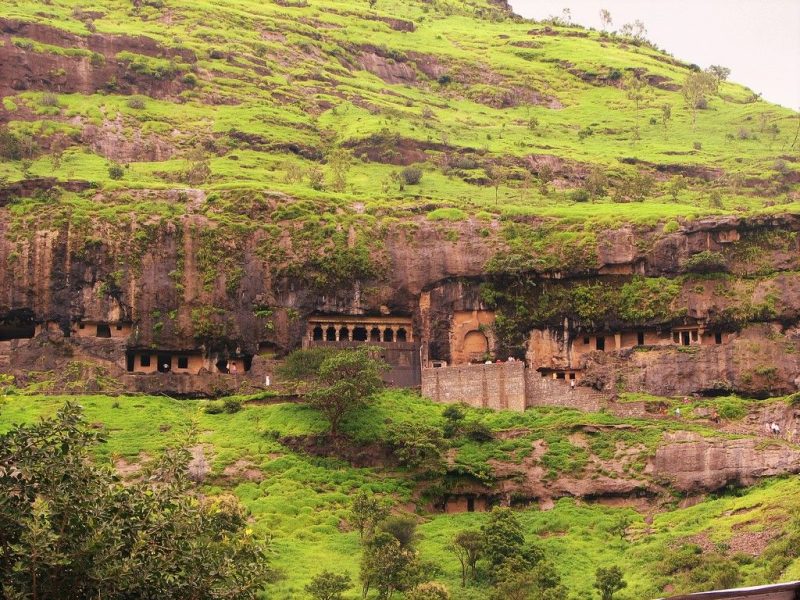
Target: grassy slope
(290,79)
(302,501)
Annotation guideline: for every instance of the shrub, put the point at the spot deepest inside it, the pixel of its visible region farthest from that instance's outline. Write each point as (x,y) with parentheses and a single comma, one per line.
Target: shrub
(115,171)
(444,79)
(402,527)
(49,100)
(706,262)
(697,145)
(464,162)
(671,226)
(135,103)
(9,145)
(190,79)
(417,446)
(447,214)
(478,432)
(214,408)
(230,405)
(411,175)
(579,195)
(431,590)
(328,586)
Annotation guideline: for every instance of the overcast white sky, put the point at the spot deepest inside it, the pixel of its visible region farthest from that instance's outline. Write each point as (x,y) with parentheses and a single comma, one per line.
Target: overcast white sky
(759,40)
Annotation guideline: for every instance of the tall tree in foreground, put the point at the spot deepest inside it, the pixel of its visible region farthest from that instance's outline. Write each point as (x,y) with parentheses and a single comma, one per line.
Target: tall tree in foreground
(345,382)
(69,529)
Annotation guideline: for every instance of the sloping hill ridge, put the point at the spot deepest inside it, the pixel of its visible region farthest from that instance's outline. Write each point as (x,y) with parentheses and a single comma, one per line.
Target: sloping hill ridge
(209,174)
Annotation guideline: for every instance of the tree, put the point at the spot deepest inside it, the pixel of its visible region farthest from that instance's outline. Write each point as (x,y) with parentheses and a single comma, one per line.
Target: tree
(467,545)
(521,579)
(339,162)
(418,446)
(609,581)
(596,182)
(636,90)
(454,415)
(366,512)
(345,381)
(70,529)
(719,72)
(545,175)
(328,586)
(386,566)
(402,527)
(696,87)
(199,169)
(666,116)
(635,30)
(502,536)
(316,177)
(605,18)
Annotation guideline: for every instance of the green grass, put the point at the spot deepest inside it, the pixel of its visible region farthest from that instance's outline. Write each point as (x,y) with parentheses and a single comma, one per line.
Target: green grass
(302,501)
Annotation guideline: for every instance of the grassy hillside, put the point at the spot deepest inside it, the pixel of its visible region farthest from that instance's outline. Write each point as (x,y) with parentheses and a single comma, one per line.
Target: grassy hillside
(326,101)
(302,501)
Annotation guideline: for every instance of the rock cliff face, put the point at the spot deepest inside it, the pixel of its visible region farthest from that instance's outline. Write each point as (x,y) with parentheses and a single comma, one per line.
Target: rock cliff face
(189,284)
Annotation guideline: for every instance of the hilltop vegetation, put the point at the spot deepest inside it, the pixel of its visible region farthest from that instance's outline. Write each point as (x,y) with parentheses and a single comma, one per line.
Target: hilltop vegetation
(348,112)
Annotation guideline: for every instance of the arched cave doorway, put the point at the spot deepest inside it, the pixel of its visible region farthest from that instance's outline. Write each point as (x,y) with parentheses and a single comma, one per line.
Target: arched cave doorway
(388,335)
(330,334)
(318,334)
(475,344)
(401,335)
(360,334)
(375,335)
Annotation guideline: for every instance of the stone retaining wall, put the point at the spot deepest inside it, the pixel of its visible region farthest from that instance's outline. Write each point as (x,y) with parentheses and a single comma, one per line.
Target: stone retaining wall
(497,385)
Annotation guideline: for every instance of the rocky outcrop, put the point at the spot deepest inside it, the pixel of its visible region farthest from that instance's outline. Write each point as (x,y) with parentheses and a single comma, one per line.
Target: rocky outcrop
(690,463)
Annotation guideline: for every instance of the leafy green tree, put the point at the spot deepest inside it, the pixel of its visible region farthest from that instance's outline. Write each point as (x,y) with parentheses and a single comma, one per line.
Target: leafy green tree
(387,566)
(339,163)
(609,581)
(502,536)
(454,415)
(418,446)
(719,72)
(696,87)
(366,512)
(402,527)
(518,579)
(596,182)
(637,91)
(328,586)
(467,545)
(345,381)
(70,529)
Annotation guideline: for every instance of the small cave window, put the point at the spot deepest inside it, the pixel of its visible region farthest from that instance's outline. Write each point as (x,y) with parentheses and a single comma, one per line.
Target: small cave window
(317,334)
(103,330)
(718,337)
(685,339)
(118,327)
(330,334)
(560,375)
(586,340)
(247,362)
(222,365)
(81,325)
(401,335)
(470,504)
(164,363)
(600,343)
(572,375)
(344,334)
(375,335)
(676,337)
(360,334)
(130,362)
(388,335)
(144,360)
(640,338)
(183,362)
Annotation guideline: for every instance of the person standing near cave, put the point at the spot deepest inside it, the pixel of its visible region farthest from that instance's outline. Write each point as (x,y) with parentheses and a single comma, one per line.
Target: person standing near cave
(233,368)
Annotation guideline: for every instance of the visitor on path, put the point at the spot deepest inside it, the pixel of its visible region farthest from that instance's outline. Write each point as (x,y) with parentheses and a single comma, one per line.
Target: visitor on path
(571,385)
(678,412)
(233,369)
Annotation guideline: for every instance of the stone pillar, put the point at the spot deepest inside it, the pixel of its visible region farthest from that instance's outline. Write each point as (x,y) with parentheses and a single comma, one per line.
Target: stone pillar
(618,340)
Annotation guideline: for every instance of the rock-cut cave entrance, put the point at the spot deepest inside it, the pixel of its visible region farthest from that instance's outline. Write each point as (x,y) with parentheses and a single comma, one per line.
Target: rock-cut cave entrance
(16,326)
